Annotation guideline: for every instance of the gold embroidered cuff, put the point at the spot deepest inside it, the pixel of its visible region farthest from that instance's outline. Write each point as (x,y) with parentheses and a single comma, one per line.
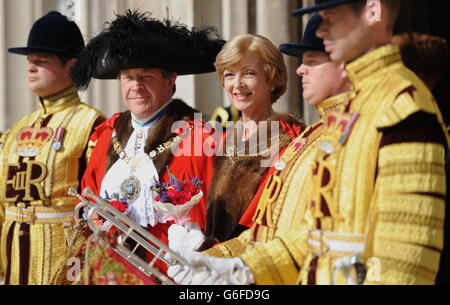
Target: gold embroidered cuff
(214,251)
(230,248)
(271,264)
(227,249)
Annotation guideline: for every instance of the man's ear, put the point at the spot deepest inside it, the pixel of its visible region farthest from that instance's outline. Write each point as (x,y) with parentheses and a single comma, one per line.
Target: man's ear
(69,64)
(373,11)
(173,78)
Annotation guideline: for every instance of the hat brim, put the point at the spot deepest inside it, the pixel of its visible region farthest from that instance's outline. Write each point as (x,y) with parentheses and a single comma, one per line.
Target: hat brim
(111,68)
(297,49)
(26,51)
(318,7)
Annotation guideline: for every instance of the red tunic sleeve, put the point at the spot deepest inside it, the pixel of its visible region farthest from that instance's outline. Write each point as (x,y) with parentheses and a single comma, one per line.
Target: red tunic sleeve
(95,170)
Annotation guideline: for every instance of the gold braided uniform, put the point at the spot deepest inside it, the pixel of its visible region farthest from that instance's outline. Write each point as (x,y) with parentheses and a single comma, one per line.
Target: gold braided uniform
(293,190)
(39,161)
(377,188)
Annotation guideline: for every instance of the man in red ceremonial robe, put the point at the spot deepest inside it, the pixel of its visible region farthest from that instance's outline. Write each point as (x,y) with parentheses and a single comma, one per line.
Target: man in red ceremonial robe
(135,149)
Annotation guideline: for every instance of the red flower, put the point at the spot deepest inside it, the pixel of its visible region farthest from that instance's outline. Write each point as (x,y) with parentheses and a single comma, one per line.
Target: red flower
(178,198)
(181,198)
(189,187)
(176,192)
(172,193)
(119,205)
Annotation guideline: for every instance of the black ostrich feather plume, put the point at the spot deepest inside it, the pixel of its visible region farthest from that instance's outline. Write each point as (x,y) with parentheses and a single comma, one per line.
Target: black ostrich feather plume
(136,40)
(85,67)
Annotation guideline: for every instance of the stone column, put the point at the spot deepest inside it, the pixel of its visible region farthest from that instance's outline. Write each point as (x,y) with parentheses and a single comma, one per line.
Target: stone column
(274,21)
(208,91)
(18,19)
(235,18)
(103,94)
(3,74)
(199,91)
(310,114)
(235,21)
(183,11)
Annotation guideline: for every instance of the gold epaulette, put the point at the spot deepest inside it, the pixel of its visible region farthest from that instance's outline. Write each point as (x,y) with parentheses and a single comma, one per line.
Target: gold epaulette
(408,102)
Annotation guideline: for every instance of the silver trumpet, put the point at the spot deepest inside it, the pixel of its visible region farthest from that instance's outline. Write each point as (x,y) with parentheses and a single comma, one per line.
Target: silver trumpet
(130,230)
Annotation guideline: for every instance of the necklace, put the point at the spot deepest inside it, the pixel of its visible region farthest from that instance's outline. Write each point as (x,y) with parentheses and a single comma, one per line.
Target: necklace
(130,188)
(233,153)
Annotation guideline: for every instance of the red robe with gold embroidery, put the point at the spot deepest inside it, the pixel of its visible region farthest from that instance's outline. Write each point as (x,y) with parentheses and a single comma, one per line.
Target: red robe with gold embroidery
(183,165)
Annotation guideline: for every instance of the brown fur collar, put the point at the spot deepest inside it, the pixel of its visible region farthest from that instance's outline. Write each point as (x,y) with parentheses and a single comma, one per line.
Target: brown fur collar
(233,185)
(160,133)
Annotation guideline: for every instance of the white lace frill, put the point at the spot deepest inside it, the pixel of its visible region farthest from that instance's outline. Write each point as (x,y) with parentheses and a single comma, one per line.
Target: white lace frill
(141,210)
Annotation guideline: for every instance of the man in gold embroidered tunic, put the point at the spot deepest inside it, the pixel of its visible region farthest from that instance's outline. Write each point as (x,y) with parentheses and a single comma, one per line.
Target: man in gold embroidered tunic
(386,186)
(42,155)
(281,197)
(378,181)
(378,184)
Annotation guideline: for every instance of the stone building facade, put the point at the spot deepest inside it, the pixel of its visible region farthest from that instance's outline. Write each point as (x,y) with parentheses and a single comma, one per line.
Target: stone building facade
(270,18)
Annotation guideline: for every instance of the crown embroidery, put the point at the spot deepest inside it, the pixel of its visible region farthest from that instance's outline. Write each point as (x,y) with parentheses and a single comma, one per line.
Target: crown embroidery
(337,129)
(31,139)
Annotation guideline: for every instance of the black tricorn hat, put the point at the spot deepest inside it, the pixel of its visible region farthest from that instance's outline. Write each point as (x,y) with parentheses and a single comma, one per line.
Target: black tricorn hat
(310,41)
(53,33)
(136,40)
(320,5)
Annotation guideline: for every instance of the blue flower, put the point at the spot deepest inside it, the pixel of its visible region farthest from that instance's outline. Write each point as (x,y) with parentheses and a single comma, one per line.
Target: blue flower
(164,196)
(196,182)
(174,180)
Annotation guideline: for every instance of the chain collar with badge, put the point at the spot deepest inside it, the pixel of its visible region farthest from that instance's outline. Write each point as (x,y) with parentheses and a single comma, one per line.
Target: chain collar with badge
(130,187)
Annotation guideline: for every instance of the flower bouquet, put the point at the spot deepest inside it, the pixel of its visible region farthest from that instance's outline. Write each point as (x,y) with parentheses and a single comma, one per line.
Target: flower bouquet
(176,198)
(122,207)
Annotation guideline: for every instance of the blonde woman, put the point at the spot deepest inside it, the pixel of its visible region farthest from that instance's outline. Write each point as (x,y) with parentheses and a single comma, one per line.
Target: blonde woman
(254,75)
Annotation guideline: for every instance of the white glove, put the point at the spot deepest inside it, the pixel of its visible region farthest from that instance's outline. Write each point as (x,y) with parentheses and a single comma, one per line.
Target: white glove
(210,271)
(187,237)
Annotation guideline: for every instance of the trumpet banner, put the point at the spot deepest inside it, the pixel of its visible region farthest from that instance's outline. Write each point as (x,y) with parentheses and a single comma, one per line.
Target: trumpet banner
(104,266)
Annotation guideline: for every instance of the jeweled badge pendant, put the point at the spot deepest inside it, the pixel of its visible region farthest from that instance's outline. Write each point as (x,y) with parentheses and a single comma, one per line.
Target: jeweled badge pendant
(130,188)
